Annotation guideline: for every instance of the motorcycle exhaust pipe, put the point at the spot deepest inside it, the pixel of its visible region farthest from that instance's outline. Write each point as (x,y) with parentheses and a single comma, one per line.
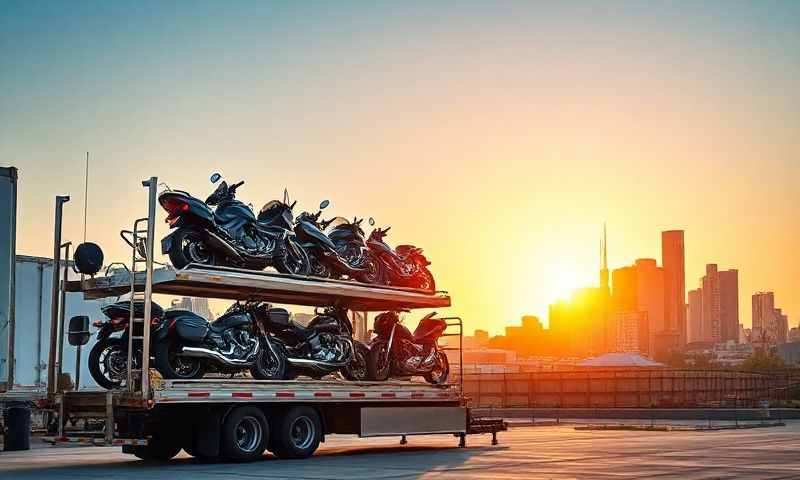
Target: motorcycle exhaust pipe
(316,363)
(198,352)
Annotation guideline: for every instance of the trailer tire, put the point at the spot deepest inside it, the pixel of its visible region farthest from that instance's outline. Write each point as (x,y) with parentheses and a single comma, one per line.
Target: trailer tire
(245,434)
(297,433)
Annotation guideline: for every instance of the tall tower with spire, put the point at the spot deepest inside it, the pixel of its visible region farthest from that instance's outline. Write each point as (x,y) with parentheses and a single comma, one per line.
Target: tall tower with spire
(603,260)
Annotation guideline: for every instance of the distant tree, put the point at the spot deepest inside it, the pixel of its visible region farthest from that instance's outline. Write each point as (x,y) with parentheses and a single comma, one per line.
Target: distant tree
(764,362)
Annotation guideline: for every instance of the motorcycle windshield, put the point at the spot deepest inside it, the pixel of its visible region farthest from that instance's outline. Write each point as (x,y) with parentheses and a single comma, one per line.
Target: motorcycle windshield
(277,214)
(338,222)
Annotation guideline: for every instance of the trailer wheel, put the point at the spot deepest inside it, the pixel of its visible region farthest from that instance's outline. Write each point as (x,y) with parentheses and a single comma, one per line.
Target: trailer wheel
(297,433)
(245,434)
(378,366)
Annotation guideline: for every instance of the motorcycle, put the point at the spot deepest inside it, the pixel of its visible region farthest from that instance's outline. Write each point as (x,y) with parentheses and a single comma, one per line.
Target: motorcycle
(187,345)
(349,242)
(229,235)
(395,351)
(404,266)
(322,347)
(326,258)
(108,358)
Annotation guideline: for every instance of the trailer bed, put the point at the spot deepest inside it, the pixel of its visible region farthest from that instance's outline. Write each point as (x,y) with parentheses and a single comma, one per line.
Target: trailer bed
(237,284)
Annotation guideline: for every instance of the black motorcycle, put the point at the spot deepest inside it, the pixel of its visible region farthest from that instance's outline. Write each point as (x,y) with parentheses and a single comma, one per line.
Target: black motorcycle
(322,347)
(403,266)
(395,351)
(108,358)
(348,240)
(326,258)
(230,235)
(187,345)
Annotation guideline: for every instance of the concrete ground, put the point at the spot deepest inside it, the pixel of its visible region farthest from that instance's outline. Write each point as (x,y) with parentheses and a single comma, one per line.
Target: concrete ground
(524,453)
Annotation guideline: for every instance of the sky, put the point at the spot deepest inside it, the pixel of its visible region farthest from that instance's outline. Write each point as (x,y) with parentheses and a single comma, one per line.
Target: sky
(498,136)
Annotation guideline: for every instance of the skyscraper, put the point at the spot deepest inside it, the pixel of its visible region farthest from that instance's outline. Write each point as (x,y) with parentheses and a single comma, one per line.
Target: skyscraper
(604,260)
(672,261)
(729,305)
(770,325)
(694,315)
(711,331)
(640,289)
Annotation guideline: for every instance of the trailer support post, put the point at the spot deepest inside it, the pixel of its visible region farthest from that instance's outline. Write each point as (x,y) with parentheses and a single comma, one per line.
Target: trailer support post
(51,364)
(109,433)
(152,185)
(62,310)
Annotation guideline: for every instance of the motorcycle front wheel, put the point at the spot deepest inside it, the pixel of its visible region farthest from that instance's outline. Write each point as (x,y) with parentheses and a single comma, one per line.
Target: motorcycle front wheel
(378,365)
(373,270)
(357,369)
(441,370)
(293,260)
(270,364)
(173,366)
(189,247)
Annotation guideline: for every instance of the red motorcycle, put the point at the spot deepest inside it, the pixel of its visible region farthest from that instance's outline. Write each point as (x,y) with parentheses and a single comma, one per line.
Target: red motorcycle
(404,266)
(396,352)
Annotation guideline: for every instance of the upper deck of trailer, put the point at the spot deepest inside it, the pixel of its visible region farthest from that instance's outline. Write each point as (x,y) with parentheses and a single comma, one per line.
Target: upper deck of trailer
(240,284)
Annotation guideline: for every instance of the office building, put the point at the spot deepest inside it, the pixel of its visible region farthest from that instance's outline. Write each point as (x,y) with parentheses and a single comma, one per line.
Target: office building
(770,325)
(694,315)
(673,263)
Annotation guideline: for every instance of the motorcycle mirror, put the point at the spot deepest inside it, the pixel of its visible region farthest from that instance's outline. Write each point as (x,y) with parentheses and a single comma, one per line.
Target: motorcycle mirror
(324,204)
(215,177)
(371,222)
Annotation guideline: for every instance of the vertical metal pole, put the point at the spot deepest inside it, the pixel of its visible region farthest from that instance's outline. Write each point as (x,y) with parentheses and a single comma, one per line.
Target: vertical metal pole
(152,184)
(62,309)
(77,367)
(12,323)
(109,433)
(51,360)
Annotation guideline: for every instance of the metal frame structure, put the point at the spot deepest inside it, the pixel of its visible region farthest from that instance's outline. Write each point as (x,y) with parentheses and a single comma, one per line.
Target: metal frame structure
(148,391)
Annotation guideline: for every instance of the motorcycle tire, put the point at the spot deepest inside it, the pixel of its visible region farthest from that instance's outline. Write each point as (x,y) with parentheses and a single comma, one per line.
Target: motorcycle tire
(275,369)
(441,378)
(165,363)
(373,272)
(357,369)
(106,344)
(293,260)
(378,368)
(188,247)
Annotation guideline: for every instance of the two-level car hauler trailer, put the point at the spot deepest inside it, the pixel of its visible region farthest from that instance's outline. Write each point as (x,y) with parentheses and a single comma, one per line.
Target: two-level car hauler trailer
(235,419)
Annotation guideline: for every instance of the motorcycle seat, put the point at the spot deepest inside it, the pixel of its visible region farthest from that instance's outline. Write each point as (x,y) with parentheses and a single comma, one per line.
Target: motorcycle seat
(226,322)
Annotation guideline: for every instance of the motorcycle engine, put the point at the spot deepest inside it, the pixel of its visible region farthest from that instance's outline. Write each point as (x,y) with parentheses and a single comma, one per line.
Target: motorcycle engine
(327,347)
(416,357)
(238,343)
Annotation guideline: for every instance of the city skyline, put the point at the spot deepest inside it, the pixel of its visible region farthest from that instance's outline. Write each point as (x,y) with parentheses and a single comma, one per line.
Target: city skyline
(497,139)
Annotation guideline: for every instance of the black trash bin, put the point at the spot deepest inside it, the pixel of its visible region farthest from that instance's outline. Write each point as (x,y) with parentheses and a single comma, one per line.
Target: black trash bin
(17,419)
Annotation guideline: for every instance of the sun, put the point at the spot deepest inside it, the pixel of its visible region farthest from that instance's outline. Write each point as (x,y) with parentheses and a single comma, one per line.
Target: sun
(562,279)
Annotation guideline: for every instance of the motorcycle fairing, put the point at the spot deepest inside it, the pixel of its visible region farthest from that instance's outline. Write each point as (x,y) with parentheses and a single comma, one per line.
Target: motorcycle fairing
(308,232)
(234,216)
(276,214)
(195,207)
(324,323)
(429,329)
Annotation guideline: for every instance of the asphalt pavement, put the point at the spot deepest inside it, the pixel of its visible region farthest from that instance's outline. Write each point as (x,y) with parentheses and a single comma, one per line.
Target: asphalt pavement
(557,451)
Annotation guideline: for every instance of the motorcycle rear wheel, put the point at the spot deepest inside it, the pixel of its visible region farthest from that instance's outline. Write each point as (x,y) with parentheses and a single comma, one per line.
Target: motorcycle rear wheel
(373,272)
(172,366)
(441,370)
(357,369)
(293,260)
(188,247)
(102,367)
